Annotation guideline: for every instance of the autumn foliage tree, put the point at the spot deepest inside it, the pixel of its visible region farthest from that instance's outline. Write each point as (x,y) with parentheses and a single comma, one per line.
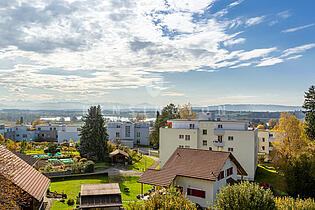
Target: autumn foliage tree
(294,156)
(185,111)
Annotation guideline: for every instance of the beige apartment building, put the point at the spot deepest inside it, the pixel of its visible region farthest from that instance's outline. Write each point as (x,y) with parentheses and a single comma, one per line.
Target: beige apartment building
(209,134)
(265,139)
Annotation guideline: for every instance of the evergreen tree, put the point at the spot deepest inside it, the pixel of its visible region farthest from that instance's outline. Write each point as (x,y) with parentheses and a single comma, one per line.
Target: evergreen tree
(169,112)
(309,106)
(94,137)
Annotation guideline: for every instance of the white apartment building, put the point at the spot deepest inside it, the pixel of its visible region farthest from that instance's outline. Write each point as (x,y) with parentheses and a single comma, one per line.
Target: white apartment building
(128,133)
(208,134)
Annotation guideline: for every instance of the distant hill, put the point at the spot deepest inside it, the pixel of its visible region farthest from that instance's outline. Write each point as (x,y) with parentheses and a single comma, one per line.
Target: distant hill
(252,108)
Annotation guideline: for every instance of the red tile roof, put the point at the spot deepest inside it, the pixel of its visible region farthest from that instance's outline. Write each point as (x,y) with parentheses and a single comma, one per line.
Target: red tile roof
(194,163)
(23,175)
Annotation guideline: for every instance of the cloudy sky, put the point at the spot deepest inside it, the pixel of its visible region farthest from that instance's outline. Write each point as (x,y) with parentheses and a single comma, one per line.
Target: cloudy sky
(156,51)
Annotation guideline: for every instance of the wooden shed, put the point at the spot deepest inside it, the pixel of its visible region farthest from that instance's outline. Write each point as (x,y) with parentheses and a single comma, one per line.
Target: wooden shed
(119,156)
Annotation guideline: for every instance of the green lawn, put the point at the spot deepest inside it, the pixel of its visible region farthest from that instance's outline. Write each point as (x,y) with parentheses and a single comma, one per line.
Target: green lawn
(72,186)
(267,173)
(142,165)
(101,166)
(33,152)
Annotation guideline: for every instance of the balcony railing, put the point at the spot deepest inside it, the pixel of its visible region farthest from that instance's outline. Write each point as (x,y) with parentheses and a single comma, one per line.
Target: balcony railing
(219,131)
(218,143)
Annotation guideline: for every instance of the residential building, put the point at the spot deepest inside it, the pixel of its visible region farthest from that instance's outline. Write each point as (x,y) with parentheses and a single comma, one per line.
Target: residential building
(265,139)
(58,133)
(128,133)
(100,196)
(209,134)
(200,174)
(25,177)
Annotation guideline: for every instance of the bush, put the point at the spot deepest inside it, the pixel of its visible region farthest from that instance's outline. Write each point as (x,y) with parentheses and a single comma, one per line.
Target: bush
(88,167)
(245,195)
(70,202)
(288,203)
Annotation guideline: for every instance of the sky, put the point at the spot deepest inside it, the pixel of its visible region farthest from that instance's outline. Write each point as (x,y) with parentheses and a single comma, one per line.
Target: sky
(206,52)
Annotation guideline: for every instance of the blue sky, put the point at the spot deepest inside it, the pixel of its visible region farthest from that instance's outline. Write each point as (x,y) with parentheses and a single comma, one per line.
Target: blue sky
(205,52)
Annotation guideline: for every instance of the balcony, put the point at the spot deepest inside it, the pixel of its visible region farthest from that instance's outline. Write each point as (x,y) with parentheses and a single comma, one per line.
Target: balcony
(218,143)
(219,131)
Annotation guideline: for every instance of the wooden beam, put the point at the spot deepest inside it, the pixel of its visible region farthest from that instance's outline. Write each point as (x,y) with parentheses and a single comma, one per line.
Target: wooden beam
(141,188)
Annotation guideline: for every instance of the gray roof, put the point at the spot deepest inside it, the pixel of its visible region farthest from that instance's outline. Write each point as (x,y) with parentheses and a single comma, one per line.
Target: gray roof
(100,189)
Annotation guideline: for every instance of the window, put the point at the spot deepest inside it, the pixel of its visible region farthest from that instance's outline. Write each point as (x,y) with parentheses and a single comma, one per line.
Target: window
(187,137)
(181,136)
(117,134)
(50,129)
(263,139)
(127,131)
(196,193)
(180,146)
(187,146)
(24,135)
(263,147)
(138,134)
(220,126)
(220,138)
(138,141)
(204,132)
(230,149)
(230,138)
(229,171)
(43,135)
(204,142)
(17,135)
(210,148)
(39,129)
(191,126)
(16,128)
(221,175)
(270,134)
(78,129)
(117,126)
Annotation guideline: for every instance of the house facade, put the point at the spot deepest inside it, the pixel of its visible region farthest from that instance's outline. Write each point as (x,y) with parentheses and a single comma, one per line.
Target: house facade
(199,174)
(128,133)
(209,134)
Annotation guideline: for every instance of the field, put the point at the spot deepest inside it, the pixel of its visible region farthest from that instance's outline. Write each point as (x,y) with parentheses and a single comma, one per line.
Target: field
(266,173)
(72,187)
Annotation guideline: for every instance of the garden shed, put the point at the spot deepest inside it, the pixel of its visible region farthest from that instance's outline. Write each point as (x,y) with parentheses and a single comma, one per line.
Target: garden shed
(119,156)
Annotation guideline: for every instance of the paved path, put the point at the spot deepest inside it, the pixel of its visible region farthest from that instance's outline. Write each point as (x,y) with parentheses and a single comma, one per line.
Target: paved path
(156,162)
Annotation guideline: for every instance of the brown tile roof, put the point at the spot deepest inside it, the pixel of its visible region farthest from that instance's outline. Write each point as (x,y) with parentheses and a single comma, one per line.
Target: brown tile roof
(100,189)
(118,151)
(194,163)
(23,175)
(27,158)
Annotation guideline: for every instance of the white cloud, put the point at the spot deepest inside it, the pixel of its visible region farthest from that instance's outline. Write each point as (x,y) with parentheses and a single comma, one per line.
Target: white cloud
(255,20)
(241,65)
(231,42)
(270,61)
(299,49)
(172,94)
(298,28)
(284,14)
(255,53)
(294,57)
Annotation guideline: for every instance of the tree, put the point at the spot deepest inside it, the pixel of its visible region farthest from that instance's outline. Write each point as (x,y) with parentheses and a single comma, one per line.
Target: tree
(23,145)
(140,117)
(169,112)
(94,137)
(185,111)
(52,148)
(272,123)
(245,195)
(294,155)
(172,198)
(261,127)
(309,111)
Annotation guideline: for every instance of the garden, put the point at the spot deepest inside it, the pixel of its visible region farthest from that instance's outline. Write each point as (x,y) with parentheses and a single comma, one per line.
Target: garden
(72,186)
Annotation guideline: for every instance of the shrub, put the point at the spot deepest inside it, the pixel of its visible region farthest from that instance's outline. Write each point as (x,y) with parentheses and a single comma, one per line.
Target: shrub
(70,202)
(88,167)
(245,195)
(288,203)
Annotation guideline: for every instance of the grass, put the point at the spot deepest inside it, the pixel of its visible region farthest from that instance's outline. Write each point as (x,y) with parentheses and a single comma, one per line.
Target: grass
(72,186)
(267,173)
(101,166)
(34,152)
(142,165)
